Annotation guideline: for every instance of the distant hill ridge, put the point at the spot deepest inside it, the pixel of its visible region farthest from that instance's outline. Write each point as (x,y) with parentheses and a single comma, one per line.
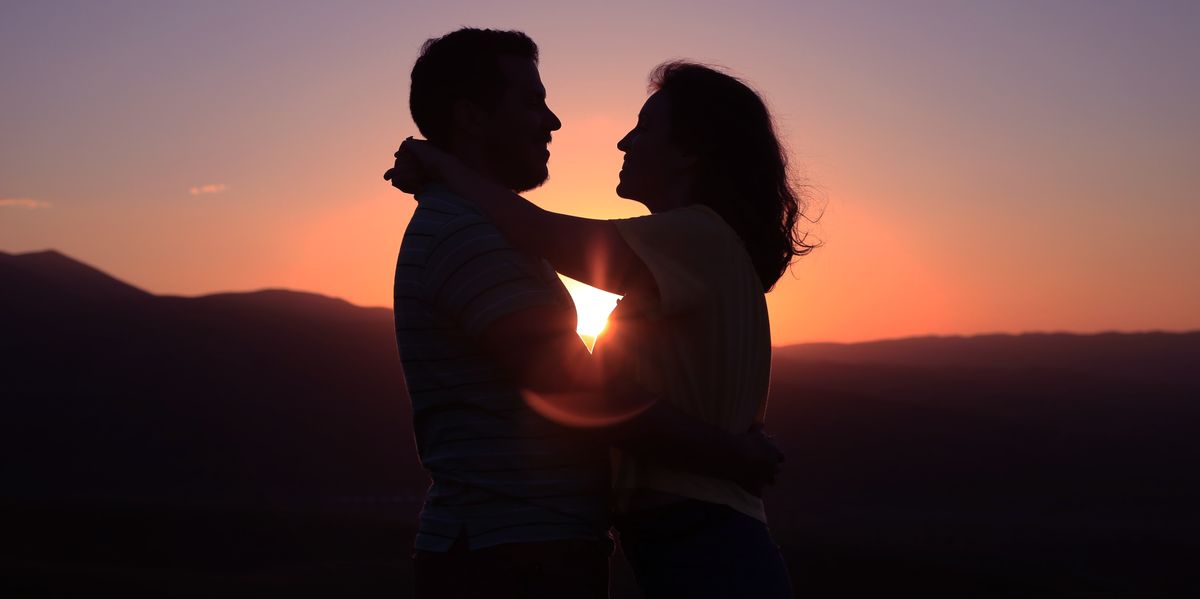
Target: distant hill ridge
(108,389)
(53,277)
(46,272)
(49,276)
(999,454)
(1145,356)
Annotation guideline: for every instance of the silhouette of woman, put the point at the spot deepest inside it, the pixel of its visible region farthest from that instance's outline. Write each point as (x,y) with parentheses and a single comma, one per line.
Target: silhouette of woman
(704,158)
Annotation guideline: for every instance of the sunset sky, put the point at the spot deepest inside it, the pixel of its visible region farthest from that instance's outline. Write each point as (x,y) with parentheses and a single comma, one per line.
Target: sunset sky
(977,166)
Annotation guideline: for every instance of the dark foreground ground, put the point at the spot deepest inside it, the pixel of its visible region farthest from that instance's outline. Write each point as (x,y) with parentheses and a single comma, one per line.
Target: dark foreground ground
(159,551)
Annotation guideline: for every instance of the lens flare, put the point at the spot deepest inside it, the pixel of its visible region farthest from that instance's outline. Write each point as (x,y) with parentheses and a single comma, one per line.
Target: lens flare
(585,409)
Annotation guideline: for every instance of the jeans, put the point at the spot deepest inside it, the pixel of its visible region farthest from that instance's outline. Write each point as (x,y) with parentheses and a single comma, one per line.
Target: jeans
(699,549)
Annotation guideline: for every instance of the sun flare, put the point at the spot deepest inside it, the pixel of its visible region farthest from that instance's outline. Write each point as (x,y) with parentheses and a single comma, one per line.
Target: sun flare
(593,306)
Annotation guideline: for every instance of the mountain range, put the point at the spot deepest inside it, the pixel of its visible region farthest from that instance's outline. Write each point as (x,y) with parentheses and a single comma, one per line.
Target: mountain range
(1055,463)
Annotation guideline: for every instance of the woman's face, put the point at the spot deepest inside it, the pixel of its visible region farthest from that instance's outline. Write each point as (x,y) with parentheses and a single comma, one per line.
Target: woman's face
(654,167)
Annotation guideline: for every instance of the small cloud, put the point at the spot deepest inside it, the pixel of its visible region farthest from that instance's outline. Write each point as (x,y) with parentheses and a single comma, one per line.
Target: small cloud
(209,188)
(27,203)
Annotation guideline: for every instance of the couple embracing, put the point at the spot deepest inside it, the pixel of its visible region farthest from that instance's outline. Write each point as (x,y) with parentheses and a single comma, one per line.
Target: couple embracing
(537,447)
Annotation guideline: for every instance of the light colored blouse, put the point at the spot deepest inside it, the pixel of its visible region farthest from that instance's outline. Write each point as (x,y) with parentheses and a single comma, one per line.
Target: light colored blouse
(704,345)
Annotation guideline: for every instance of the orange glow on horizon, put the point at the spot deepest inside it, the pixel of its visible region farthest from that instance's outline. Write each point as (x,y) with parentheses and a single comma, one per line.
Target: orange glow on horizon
(948,208)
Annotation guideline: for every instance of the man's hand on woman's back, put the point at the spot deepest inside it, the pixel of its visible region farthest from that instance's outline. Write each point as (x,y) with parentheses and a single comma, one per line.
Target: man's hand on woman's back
(761,458)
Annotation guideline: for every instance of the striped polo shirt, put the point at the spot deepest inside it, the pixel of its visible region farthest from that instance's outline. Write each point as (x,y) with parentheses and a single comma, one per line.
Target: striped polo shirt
(501,473)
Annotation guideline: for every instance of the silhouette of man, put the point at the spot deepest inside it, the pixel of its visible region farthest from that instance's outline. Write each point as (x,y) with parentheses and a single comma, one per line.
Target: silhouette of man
(518,504)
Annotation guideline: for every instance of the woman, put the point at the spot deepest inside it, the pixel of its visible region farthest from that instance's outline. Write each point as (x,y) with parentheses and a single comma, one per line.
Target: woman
(705,160)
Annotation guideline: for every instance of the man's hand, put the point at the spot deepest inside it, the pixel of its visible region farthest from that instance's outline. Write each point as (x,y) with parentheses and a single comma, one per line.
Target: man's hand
(760,458)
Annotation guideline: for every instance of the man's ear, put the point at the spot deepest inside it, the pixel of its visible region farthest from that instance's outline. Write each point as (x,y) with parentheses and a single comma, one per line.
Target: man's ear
(469,119)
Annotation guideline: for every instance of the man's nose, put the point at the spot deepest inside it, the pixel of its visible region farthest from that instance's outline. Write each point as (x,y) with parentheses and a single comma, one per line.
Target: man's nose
(553,121)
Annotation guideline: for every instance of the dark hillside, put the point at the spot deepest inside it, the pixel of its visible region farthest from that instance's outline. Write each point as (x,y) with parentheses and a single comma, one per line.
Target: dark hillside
(258,444)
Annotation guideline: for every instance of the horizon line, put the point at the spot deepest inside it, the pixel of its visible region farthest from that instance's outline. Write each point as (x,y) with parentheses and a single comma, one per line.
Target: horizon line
(813,342)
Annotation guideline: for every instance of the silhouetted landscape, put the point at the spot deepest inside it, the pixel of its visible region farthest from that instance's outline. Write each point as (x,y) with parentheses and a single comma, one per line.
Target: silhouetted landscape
(258,444)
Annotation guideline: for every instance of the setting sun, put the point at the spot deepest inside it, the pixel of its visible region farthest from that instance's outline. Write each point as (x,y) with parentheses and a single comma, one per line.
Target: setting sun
(593,306)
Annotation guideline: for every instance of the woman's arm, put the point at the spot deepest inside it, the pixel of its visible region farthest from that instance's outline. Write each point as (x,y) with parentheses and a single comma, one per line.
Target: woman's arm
(588,250)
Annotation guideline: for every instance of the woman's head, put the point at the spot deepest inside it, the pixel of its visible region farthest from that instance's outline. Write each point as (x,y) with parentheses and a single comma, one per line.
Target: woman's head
(656,171)
(710,134)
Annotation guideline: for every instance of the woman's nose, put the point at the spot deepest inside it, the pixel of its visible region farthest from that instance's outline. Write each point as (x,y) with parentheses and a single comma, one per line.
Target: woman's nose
(623,143)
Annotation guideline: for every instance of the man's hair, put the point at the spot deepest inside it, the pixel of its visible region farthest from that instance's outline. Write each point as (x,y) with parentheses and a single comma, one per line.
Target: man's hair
(461,65)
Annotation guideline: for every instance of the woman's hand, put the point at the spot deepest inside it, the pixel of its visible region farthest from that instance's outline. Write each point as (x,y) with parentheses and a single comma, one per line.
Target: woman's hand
(417,163)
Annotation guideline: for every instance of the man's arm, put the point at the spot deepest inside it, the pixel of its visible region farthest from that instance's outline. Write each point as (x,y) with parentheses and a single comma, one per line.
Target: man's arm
(540,348)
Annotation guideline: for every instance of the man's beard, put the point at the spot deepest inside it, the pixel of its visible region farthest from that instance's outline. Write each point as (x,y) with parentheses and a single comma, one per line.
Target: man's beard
(516,170)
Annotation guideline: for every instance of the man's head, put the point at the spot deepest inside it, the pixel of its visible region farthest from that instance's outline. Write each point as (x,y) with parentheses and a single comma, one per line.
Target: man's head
(477,94)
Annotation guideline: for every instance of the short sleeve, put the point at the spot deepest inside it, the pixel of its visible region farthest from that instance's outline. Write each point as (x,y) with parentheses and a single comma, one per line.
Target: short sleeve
(476,277)
(684,249)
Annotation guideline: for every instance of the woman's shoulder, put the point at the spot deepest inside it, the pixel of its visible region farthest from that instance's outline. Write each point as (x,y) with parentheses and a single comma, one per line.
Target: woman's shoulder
(695,223)
(708,221)
(711,243)
(703,230)
(690,237)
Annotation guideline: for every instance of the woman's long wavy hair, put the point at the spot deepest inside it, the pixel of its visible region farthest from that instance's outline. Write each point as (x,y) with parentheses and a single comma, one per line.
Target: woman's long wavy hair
(741,169)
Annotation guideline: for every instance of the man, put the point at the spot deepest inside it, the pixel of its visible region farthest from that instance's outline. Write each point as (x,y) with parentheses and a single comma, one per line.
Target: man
(518,505)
